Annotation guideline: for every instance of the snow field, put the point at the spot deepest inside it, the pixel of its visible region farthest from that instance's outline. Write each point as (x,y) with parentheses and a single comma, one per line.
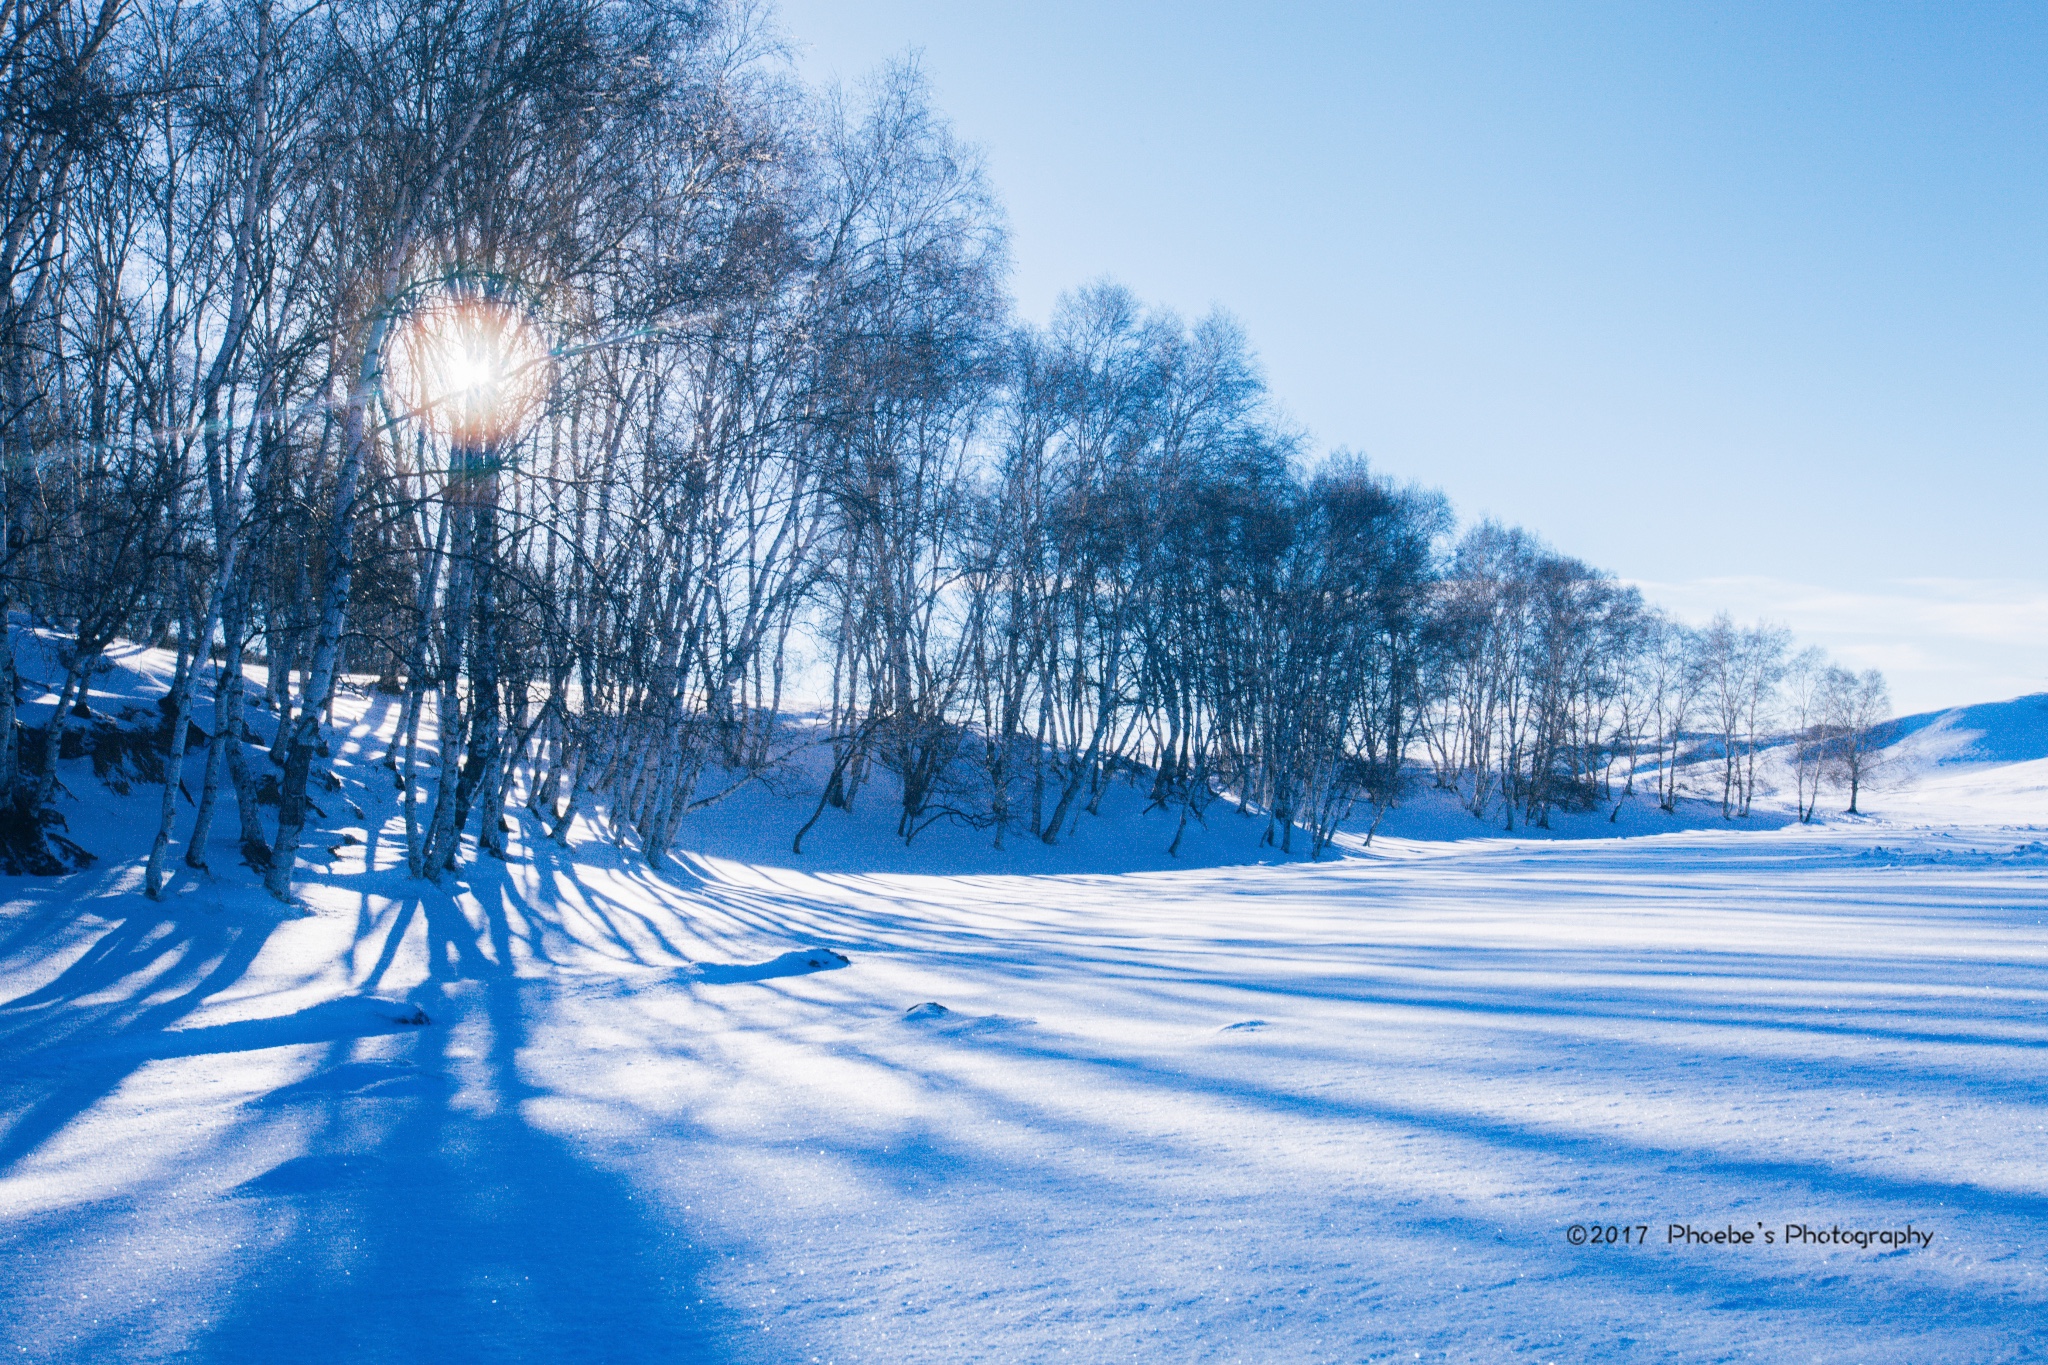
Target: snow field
(1338,1112)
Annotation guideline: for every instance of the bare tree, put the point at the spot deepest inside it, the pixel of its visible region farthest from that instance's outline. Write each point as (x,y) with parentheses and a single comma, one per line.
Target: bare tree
(1806,702)
(1857,706)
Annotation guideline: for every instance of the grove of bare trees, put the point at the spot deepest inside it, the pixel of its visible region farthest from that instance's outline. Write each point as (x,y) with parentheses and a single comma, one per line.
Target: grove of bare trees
(567,373)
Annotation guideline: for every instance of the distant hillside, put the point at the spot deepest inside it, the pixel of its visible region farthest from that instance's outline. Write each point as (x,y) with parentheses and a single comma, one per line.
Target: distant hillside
(2013,731)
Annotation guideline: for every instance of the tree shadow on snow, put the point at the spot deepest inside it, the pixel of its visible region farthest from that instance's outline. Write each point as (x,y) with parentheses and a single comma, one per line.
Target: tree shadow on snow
(68,1044)
(420,1211)
(453,1228)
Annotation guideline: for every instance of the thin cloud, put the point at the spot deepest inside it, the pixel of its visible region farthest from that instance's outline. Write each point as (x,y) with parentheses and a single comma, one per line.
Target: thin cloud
(1941,641)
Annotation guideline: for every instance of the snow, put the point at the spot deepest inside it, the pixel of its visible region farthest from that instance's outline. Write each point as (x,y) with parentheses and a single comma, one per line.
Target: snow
(2014,731)
(952,1103)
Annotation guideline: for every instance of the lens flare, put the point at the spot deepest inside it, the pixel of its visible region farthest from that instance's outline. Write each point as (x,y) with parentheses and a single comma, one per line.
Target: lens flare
(472,365)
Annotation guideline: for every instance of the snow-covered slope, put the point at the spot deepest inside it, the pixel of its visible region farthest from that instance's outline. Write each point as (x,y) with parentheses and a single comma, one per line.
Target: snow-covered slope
(756,1108)
(1985,764)
(2013,731)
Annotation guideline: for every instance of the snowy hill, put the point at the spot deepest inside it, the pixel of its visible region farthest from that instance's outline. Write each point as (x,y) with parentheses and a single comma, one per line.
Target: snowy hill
(1986,763)
(1983,764)
(2013,731)
(757,824)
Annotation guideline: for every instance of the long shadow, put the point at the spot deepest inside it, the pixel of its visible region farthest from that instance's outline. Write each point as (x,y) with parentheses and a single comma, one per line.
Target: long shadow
(62,1045)
(469,1232)
(422,1213)
(454,1229)
(1601,1148)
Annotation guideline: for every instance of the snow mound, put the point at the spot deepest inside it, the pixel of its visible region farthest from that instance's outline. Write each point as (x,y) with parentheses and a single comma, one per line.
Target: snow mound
(931,1015)
(797,962)
(2031,854)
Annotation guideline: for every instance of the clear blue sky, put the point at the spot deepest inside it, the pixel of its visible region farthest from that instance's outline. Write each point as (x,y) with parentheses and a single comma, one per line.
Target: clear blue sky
(1749,304)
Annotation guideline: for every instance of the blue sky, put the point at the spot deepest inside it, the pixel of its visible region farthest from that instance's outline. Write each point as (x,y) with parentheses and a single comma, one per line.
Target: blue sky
(1748,304)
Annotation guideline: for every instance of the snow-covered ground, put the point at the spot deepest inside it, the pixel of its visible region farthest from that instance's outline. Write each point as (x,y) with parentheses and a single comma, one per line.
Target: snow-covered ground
(1073,1103)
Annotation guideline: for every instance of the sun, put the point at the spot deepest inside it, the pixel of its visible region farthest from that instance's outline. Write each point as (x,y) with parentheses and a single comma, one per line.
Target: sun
(472,366)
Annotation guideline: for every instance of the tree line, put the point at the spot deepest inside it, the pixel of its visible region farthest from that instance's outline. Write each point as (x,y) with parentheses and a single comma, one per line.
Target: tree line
(591,388)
